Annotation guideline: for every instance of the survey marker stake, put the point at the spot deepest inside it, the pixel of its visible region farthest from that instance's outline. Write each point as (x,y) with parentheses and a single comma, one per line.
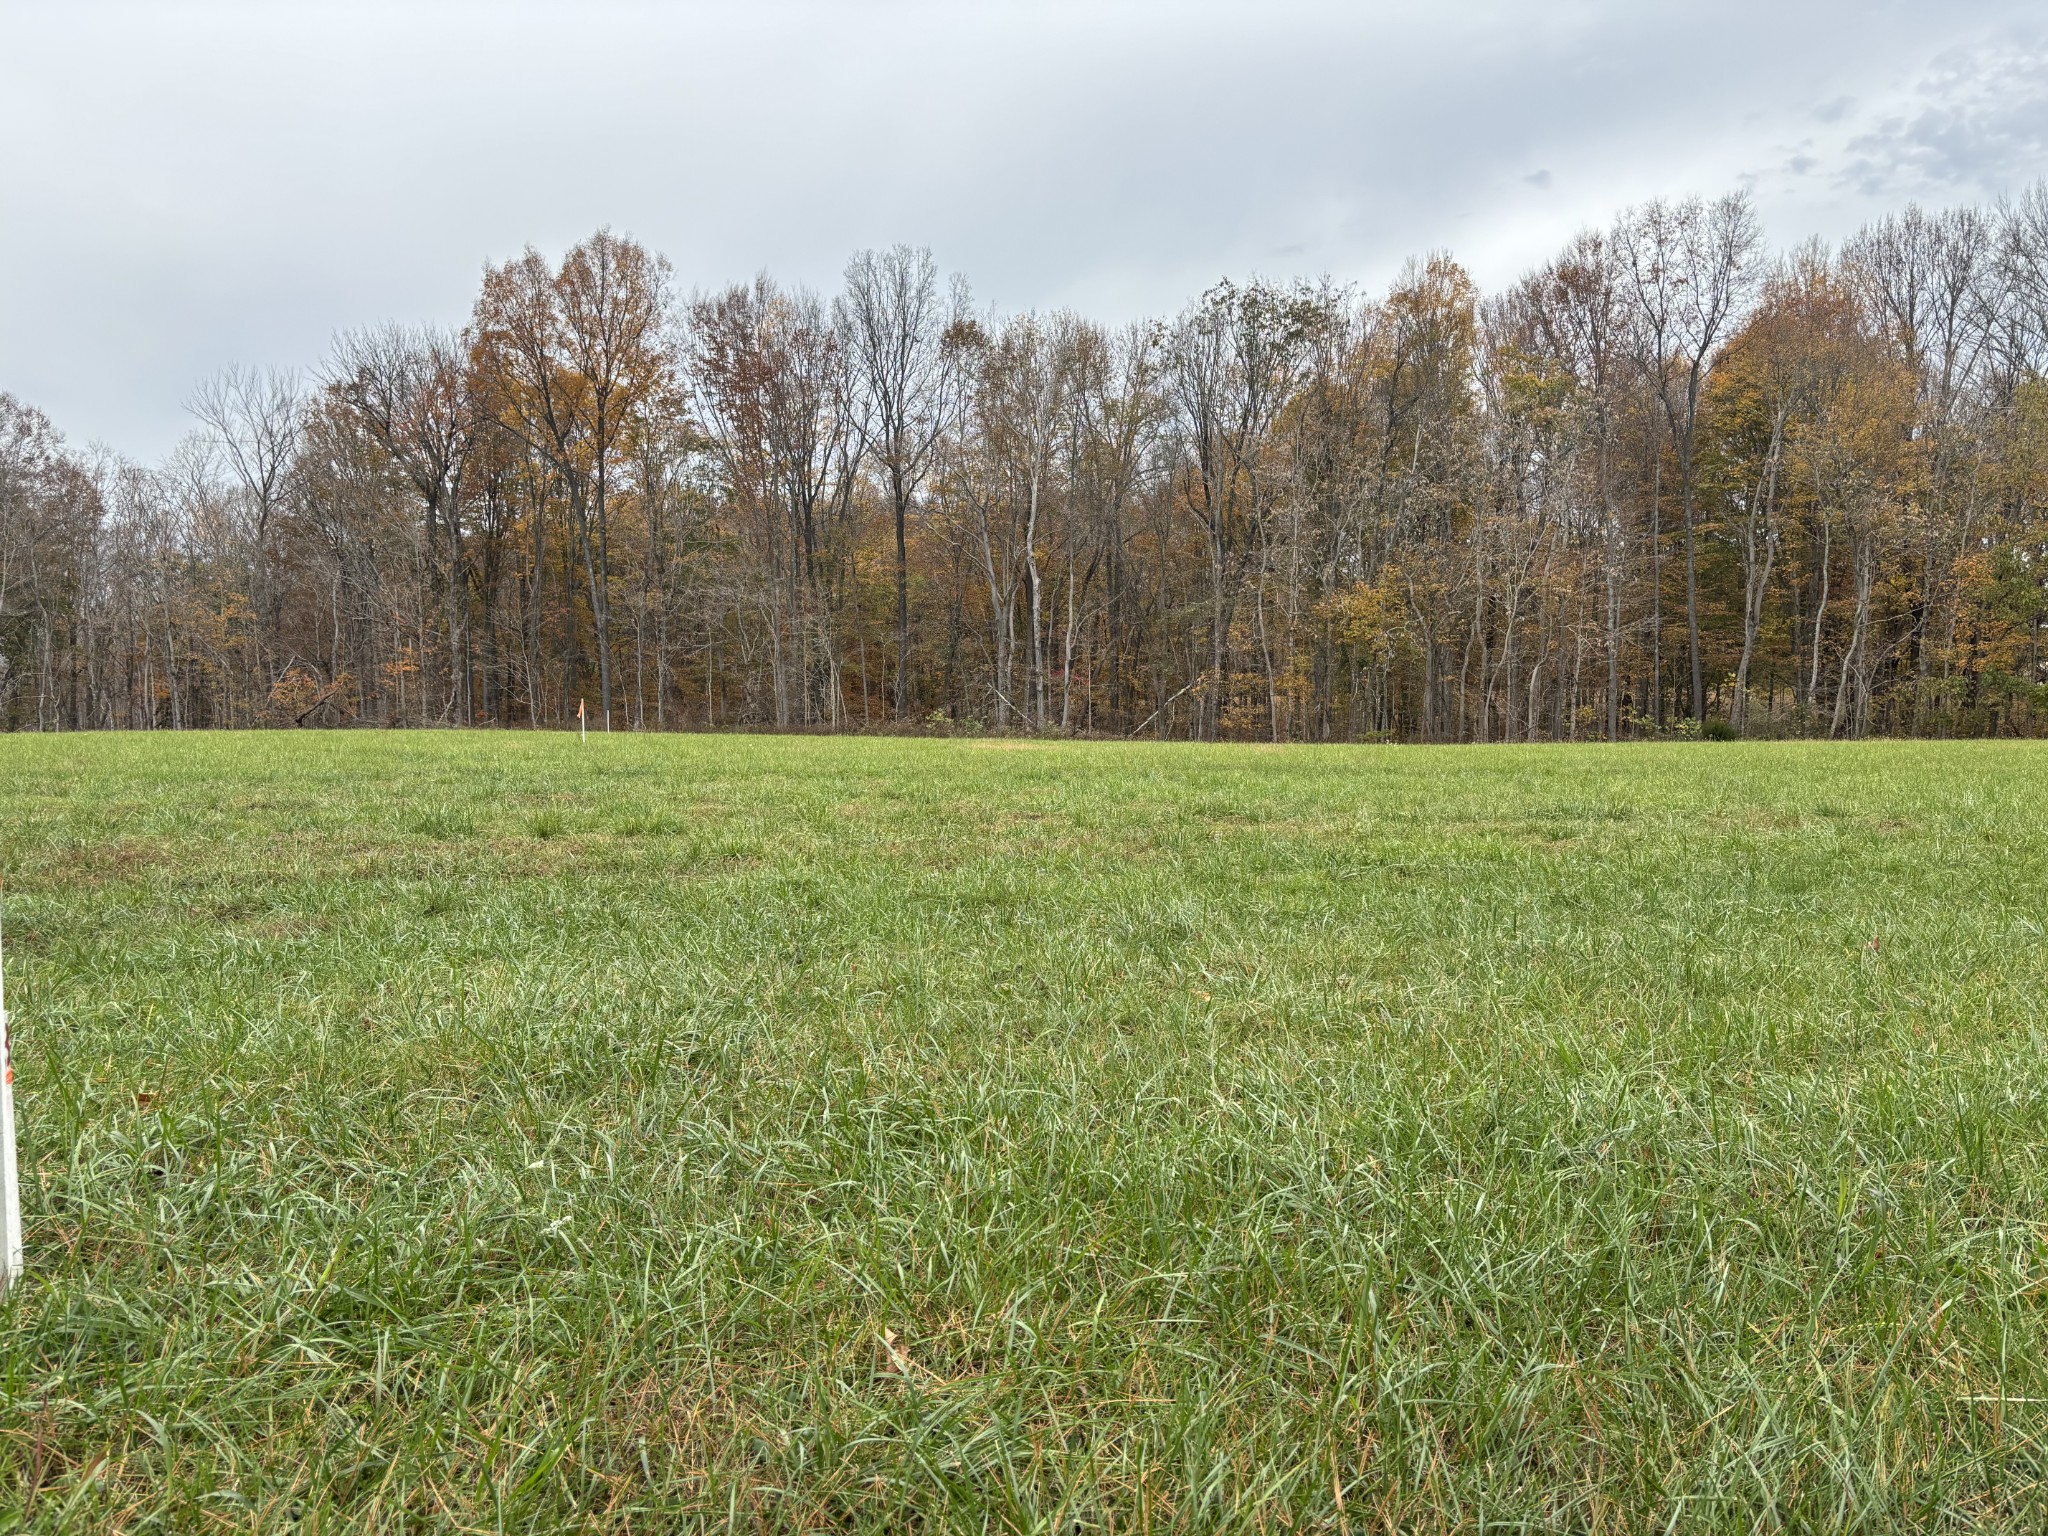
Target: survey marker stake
(582,726)
(10,1178)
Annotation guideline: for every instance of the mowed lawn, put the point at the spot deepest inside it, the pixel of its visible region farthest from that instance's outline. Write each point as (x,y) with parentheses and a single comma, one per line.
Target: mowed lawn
(487,1132)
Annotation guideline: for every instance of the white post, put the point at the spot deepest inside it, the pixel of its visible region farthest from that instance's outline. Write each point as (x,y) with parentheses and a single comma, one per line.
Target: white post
(582,725)
(10,1177)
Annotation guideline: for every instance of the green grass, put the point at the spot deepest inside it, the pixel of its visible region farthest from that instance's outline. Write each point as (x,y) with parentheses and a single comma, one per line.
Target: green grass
(480,1132)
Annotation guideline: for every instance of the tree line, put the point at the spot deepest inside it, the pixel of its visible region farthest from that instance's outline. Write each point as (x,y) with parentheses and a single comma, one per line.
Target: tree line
(1668,482)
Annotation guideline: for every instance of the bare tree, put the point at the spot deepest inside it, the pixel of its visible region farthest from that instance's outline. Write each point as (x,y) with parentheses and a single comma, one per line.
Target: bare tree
(1691,266)
(1022,394)
(1936,286)
(252,416)
(1235,359)
(1579,303)
(408,390)
(1117,411)
(769,383)
(898,331)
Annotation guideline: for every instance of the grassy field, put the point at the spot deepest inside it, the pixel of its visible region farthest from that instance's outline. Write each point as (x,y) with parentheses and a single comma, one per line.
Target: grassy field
(480,1132)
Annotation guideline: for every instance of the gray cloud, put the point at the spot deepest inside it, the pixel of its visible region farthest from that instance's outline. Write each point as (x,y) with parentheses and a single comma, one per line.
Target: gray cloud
(1976,119)
(190,185)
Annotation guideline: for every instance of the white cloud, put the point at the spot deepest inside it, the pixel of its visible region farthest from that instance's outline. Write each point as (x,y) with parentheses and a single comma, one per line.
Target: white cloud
(189,185)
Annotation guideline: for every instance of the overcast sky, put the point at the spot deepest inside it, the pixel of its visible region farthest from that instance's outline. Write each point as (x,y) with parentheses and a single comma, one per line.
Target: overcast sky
(185,186)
